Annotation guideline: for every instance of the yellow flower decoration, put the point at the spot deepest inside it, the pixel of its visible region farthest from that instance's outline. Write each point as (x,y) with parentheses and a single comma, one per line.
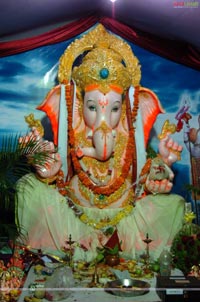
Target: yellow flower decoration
(189,217)
(107,222)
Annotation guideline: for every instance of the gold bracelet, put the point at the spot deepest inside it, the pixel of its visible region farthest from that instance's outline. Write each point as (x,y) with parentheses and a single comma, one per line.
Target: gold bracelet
(176,152)
(48,180)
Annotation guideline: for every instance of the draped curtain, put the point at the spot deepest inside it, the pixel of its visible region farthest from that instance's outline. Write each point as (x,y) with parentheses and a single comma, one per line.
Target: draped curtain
(176,51)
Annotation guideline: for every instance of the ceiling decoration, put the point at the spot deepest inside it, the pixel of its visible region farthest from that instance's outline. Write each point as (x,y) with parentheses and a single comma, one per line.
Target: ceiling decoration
(173,20)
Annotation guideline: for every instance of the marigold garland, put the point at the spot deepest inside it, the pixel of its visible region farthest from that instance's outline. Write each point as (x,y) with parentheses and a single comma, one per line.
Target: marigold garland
(100,201)
(110,222)
(130,150)
(130,158)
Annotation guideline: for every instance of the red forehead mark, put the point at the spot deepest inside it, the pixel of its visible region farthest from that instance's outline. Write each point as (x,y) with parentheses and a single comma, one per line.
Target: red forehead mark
(103,103)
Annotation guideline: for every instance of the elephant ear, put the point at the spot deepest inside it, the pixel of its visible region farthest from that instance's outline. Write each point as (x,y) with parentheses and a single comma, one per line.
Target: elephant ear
(50,106)
(150,107)
(77,115)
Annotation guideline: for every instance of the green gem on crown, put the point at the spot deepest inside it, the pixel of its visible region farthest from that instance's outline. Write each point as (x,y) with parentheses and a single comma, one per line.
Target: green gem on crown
(104,73)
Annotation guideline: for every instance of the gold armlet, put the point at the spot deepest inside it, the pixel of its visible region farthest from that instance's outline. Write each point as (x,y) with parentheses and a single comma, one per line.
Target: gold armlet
(176,152)
(48,180)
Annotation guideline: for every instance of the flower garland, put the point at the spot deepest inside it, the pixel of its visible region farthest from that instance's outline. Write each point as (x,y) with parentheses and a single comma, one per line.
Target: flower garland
(107,222)
(101,201)
(130,157)
(130,149)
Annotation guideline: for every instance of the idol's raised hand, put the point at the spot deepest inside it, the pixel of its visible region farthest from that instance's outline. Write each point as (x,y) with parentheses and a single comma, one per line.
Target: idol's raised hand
(169,150)
(41,154)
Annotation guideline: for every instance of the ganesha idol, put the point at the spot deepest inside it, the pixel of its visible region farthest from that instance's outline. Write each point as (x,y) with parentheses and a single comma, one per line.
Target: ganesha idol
(97,177)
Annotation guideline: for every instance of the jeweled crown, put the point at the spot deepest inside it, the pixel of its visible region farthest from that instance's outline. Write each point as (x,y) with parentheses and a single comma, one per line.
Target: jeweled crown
(108,64)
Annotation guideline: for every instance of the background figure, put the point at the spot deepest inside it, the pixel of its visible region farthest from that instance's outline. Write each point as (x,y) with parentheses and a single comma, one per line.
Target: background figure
(192,142)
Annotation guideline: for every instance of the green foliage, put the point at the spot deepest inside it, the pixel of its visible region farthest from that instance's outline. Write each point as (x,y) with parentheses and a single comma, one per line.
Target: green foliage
(104,251)
(185,248)
(109,231)
(15,161)
(192,189)
(113,251)
(151,153)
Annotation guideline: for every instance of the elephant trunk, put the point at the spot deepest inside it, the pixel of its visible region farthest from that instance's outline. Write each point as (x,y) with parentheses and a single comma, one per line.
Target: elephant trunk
(103,141)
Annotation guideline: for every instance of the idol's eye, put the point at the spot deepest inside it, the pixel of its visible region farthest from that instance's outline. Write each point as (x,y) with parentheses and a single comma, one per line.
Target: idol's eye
(115,109)
(92,108)
(91,105)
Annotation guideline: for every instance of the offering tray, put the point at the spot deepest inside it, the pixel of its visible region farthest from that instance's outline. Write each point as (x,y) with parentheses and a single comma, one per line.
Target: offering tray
(127,287)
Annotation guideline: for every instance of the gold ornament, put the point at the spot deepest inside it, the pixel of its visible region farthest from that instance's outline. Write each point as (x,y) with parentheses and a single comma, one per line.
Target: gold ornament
(109,222)
(167,128)
(32,122)
(109,64)
(102,201)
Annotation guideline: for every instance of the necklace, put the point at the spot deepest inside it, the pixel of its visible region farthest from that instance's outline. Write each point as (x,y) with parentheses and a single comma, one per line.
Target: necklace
(102,223)
(94,173)
(102,201)
(100,172)
(108,221)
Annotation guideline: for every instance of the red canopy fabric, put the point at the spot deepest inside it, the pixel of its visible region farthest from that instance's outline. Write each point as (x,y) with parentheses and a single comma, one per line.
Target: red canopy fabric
(178,52)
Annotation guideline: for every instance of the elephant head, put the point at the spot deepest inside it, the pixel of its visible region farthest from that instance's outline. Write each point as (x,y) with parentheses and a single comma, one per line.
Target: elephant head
(100,118)
(107,70)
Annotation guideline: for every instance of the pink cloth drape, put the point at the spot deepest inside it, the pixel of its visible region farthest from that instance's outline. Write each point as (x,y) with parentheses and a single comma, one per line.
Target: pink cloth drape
(179,52)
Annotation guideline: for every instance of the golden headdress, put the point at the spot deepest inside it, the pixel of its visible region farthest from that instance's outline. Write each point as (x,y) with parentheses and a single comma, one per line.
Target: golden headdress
(109,62)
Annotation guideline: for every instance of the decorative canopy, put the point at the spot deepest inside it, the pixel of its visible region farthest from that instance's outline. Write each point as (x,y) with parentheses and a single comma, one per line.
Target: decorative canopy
(174,20)
(168,28)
